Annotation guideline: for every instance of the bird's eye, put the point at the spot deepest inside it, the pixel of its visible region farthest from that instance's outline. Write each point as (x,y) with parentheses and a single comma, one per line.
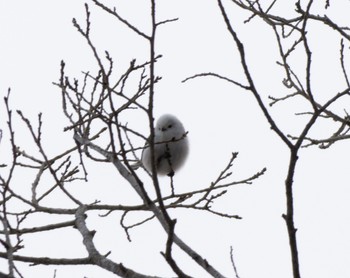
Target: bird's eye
(170,126)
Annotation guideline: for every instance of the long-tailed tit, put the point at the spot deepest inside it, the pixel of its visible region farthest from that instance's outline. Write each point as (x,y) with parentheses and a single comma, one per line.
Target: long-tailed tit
(170,146)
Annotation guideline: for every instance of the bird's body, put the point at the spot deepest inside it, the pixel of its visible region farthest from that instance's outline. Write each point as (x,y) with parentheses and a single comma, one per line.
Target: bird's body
(170,146)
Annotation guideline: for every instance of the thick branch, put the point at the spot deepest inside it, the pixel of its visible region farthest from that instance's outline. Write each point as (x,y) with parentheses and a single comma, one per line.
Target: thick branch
(94,256)
(135,184)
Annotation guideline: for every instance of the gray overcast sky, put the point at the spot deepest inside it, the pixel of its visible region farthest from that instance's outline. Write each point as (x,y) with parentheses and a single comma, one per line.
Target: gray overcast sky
(36,35)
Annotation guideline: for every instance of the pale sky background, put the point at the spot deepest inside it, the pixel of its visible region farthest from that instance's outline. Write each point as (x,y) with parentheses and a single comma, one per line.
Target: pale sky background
(221,118)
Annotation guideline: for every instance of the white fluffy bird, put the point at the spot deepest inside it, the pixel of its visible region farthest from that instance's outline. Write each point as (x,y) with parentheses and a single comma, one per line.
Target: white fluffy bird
(170,146)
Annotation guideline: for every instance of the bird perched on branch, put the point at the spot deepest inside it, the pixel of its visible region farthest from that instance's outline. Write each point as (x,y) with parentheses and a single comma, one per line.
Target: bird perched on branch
(170,146)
